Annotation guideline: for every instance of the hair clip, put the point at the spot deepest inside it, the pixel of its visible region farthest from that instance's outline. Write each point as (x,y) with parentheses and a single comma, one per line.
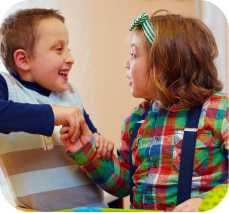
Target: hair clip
(143,20)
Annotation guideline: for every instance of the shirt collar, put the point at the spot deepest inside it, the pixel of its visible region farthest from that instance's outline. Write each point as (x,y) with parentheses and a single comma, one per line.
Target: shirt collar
(177,107)
(157,106)
(32,85)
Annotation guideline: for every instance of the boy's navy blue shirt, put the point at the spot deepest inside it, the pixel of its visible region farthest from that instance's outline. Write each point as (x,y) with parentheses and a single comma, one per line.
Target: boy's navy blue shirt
(31,118)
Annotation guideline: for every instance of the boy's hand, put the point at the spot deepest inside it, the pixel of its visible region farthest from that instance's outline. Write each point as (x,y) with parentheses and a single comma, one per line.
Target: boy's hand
(68,116)
(104,147)
(190,205)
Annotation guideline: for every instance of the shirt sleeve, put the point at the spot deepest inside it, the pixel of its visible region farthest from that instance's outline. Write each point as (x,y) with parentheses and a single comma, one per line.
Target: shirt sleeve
(31,118)
(225,133)
(3,89)
(111,174)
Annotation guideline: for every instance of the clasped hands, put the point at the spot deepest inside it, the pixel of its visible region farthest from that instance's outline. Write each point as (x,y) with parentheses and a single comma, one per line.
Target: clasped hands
(75,133)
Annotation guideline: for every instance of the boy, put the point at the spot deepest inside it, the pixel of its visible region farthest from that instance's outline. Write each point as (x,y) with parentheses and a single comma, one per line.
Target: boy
(34,49)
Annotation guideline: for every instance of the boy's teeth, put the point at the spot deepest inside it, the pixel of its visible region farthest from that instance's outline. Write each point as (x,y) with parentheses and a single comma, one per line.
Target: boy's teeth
(63,73)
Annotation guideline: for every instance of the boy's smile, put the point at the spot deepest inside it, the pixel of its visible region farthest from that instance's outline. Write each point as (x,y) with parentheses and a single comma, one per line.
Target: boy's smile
(51,61)
(64,74)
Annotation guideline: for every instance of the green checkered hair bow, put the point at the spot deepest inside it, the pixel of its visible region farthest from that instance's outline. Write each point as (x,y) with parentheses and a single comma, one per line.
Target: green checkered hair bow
(143,20)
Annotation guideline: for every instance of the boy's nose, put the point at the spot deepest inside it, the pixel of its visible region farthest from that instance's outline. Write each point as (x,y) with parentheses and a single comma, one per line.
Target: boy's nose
(70,59)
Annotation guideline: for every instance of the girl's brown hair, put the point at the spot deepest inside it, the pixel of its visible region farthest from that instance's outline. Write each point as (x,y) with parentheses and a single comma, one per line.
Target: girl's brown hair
(182,61)
(18,31)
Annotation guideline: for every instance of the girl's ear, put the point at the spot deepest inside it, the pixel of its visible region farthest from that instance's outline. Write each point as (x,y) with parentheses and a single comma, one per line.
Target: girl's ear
(21,59)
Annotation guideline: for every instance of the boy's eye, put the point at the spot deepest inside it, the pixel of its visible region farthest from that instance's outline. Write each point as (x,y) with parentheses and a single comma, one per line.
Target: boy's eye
(59,49)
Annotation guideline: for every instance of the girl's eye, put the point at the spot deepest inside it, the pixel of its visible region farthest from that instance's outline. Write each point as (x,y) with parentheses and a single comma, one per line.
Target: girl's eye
(133,55)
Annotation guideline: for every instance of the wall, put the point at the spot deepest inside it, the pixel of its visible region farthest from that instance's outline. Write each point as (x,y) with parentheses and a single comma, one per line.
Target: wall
(219,27)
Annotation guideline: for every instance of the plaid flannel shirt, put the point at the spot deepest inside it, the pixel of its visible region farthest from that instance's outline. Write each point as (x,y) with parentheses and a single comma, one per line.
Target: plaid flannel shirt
(156,155)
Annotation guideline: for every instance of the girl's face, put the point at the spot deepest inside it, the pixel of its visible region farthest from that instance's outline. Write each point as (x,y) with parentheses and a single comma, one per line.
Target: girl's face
(138,67)
(51,61)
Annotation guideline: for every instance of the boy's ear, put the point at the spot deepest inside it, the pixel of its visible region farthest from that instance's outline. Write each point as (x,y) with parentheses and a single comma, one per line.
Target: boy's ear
(21,59)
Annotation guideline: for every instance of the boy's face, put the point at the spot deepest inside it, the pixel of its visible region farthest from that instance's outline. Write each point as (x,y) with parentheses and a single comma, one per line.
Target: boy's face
(51,61)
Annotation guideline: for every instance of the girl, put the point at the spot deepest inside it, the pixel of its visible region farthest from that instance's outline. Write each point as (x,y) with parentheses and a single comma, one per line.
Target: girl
(173,144)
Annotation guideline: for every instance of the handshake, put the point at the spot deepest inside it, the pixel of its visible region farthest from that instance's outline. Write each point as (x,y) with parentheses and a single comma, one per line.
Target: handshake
(75,133)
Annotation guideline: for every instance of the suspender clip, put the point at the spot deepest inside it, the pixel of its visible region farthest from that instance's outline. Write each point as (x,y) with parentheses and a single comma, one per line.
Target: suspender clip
(190,129)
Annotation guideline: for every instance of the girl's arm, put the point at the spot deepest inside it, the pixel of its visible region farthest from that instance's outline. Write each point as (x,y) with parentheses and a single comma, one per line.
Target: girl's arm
(111,174)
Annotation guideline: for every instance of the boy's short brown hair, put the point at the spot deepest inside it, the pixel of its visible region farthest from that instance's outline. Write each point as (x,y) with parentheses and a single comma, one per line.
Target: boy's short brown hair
(182,60)
(18,31)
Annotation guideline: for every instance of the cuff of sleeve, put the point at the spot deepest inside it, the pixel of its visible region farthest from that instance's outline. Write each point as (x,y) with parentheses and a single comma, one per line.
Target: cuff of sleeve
(86,154)
(51,120)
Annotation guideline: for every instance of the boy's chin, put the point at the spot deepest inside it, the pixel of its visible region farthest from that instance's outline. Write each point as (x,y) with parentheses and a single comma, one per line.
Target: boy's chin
(63,88)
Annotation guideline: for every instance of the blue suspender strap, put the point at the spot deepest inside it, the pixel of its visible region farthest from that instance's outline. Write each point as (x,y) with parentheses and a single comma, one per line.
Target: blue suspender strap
(187,155)
(132,169)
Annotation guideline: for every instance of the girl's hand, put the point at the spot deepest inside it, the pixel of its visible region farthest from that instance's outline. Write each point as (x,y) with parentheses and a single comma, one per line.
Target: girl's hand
(190,205)
(104,147)
(85,135)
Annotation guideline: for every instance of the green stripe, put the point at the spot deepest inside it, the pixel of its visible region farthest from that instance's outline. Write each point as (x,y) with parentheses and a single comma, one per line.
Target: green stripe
(148,32)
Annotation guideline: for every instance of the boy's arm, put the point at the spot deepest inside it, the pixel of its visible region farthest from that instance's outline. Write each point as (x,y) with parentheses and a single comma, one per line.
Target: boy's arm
(29,118)
(35,118)
(3,89)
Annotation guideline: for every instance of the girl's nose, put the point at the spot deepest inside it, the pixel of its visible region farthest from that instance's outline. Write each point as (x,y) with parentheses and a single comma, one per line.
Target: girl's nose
(128,70)
(127,66)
